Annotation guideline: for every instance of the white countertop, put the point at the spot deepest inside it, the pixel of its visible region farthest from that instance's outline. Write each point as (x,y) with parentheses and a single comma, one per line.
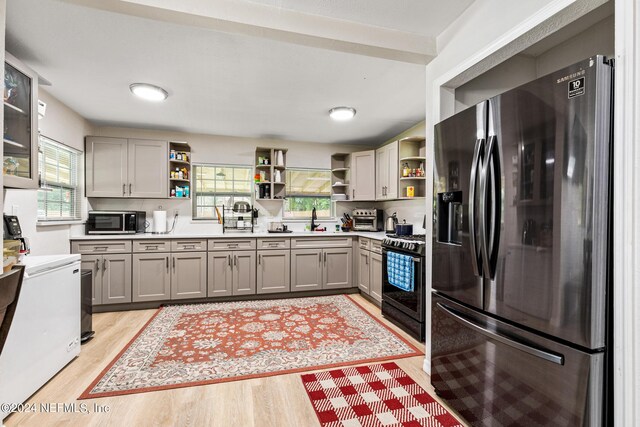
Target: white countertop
(146,236)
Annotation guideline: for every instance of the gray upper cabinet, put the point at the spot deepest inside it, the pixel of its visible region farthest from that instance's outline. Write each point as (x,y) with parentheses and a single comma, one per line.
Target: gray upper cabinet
(118,167)
(306,269)
(375,276)
(116,278)
(273,271)
(147,169)
(337,268)
(387,172)
(151,277)
(362,181)
(188,275)
(363,270)
(106,167)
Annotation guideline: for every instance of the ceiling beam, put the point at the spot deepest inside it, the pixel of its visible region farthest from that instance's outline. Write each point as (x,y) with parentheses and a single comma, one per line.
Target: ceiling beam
(279,24)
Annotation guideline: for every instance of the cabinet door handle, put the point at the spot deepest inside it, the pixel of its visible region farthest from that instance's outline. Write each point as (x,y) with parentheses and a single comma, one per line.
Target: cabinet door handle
(100,249)
(97,265)
(129,189)
(353,192)
(325,257)
(235,260)
(367,259)
(151,247)
(124,189)
(167,259)
(229,260)
(259,259)
(189,247)
(174,263)
(320,257)
(104,265)
(232,245)
(273,245)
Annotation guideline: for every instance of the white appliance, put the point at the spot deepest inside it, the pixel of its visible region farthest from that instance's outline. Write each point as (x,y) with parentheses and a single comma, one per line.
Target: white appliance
(45,333)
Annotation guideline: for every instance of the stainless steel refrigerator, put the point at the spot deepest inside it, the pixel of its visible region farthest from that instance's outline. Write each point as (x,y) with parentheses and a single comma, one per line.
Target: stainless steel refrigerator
(521,247)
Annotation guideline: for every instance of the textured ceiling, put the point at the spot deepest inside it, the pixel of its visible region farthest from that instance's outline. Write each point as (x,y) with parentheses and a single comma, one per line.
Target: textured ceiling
(425,17)
(218,83)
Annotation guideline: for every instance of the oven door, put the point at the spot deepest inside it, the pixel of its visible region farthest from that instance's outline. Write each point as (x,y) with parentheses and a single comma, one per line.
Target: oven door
(410,303)
(105,223)
(364,223)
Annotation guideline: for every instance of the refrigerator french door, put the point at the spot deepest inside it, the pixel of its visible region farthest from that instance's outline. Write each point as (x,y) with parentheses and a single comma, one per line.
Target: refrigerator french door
(521,240)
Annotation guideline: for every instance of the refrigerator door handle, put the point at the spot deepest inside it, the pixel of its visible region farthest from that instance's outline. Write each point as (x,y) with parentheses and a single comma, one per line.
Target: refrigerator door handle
(504,339)
(479,148)
(490,238)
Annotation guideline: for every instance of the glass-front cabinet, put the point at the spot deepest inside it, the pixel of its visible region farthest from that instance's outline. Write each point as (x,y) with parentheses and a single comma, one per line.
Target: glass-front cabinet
(20,136)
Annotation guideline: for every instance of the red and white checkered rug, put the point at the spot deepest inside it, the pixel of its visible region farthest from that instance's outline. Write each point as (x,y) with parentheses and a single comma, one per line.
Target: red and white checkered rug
(375,395)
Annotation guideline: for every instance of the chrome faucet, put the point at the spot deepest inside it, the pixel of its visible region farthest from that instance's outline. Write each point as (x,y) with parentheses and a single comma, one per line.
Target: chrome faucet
(314,218)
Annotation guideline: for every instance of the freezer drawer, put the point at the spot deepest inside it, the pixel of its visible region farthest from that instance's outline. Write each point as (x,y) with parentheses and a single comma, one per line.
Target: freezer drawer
(494,374)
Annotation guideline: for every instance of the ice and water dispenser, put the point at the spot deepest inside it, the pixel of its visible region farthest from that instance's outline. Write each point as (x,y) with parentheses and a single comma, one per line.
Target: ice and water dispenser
(450,217)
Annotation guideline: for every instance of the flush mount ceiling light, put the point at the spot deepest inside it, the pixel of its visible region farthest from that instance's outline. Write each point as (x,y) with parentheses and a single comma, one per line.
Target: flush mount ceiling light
(148,92)
(342,113)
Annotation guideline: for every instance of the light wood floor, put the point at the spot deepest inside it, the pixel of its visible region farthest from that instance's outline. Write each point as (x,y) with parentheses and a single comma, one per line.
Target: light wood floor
(272,401)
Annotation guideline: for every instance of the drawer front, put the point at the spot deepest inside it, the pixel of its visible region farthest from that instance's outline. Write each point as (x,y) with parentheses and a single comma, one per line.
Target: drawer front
(320,242)
(232,244)
(145,246)
(188,245)
(280,243)
(100,246)
(376,246)
(364,243)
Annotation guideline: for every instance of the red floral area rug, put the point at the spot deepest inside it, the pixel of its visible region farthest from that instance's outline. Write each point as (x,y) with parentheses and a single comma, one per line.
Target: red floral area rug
(197,344)
(376,395)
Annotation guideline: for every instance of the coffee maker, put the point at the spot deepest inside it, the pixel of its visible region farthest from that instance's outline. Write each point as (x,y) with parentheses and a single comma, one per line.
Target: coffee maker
(12,231)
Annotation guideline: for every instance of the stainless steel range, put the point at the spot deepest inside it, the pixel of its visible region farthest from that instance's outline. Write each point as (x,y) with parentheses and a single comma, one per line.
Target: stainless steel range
(405,307)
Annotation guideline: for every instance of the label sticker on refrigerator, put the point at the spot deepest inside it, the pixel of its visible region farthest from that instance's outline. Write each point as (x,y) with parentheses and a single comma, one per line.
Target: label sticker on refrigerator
(576,87)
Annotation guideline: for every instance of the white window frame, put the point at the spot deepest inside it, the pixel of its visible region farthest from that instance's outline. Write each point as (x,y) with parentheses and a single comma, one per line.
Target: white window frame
(287,218)
(216,194)
(47,187)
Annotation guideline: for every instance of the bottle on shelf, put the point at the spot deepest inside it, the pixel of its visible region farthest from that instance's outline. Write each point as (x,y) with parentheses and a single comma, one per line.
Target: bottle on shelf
(405,170)
(172,154)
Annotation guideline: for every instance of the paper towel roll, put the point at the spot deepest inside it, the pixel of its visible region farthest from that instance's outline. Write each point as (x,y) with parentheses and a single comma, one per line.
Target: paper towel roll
(159,221)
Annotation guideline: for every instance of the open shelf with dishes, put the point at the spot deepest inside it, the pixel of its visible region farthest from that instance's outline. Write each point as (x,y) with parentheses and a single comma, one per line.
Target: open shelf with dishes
(270,174)
(179,170)
(340,175)
(412,158)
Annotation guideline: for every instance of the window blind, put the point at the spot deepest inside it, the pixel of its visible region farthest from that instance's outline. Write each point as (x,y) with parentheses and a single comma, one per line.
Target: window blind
(58,197)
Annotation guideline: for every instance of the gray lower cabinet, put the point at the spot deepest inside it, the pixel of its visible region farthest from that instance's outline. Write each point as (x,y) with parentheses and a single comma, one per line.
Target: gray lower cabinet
(188,275)
(364,277)
(337,268)
(220,274)
(244,273)
(375,276)
(273,271)
(116,278)
(231,273)
(151,277)
(306,269)
(93,263)
(313,269)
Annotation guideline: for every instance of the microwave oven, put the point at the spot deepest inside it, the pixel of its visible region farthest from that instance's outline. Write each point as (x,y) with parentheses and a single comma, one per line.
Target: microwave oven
(116,222)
